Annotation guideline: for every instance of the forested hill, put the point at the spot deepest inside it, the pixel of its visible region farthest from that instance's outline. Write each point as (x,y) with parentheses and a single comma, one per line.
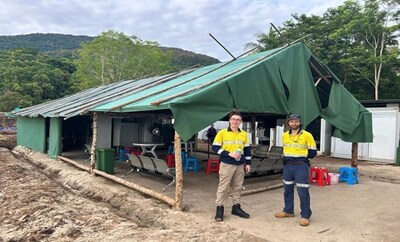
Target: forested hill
(43,42)
(64,45)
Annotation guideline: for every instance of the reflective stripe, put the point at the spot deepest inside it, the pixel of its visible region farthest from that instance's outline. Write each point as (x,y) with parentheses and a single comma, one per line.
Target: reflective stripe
(247,157)
(233,142)
(288,182)
(247,145)
(220,151)
(302,185)
(300,146)
(295,155)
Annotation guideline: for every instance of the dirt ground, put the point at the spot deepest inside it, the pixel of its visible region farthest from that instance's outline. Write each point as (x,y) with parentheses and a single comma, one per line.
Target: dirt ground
(46,200)
(40,203)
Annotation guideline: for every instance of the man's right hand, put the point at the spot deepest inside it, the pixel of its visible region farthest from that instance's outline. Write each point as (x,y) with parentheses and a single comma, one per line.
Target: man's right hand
(235,155)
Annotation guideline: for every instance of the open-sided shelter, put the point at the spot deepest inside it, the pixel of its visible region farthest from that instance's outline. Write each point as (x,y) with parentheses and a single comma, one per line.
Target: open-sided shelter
(279,81)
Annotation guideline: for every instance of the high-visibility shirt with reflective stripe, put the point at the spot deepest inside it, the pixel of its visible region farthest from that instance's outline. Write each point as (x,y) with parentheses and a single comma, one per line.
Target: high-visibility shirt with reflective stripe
(298,145)
(229,141)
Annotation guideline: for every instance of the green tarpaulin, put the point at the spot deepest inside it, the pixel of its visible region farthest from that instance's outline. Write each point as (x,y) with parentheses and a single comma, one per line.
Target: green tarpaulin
(278,81)
(55,140)
(32,133)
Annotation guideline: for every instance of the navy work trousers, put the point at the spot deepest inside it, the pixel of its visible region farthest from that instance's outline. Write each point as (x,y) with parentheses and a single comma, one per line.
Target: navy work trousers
(297,174)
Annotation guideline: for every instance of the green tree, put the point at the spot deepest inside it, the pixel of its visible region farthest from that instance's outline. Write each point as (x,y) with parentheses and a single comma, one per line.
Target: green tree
(29,78)
(113,57)
(369,38)
(357,41)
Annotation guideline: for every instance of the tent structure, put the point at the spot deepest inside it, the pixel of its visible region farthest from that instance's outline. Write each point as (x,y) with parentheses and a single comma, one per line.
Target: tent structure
(279,81)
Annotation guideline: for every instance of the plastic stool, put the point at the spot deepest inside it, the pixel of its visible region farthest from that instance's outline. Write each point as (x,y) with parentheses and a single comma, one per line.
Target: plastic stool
(135,152)
(348,174)
(192,163)
(212,165)
(183,157)
(170,160)
(320,175)
(122,155)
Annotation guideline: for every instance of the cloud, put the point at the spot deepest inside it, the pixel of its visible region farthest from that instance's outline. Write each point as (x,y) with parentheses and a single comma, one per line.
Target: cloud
(177,23)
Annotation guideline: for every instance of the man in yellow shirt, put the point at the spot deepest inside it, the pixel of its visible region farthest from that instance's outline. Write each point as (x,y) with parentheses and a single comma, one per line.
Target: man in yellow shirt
(298,147)
(230,144)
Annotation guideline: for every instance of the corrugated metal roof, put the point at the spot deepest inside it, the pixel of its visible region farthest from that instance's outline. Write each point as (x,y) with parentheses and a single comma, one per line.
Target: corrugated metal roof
(144,91)
(81,102)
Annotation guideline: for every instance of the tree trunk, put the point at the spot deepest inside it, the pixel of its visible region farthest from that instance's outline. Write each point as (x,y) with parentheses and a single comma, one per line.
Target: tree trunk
(179,174)
(354,155)
(94,143)
(102,70)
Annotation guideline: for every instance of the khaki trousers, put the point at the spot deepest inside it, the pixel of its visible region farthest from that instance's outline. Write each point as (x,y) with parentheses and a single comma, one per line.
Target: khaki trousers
(230,176)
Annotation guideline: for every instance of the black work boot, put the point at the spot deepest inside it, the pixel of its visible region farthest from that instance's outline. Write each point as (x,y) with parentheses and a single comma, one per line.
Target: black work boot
(219,216)
(236,210)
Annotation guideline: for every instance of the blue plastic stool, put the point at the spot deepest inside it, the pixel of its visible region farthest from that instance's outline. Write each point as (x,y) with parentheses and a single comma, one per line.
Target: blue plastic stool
(348,174)
(122,155)
(171,149)
(183,157)
(192,163)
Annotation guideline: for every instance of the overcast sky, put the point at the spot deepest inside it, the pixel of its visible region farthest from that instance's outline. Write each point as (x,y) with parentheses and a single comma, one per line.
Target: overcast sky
(176,23)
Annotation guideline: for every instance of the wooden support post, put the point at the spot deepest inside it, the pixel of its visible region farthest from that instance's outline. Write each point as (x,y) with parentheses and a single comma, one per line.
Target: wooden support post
(121,181)
(94,143)
(253,130)
(354,155)
(179,173)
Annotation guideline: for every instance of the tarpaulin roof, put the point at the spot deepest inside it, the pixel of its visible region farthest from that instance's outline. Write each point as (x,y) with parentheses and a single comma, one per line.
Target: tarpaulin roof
(278,81)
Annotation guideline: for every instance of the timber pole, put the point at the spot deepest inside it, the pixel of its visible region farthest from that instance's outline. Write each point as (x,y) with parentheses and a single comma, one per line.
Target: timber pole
(354,155)
(94,143)
(179,174)
(121,181)
(253,130)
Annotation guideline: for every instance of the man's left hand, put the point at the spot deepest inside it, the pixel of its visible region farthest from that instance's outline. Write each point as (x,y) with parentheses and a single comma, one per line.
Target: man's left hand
(247,169)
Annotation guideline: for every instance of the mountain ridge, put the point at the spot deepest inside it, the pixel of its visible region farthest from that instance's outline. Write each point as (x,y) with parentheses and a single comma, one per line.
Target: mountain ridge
(63,45)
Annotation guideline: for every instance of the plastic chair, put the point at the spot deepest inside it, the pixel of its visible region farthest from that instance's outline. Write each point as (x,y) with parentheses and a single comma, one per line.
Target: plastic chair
(319,175)
(192,163)
(348,174)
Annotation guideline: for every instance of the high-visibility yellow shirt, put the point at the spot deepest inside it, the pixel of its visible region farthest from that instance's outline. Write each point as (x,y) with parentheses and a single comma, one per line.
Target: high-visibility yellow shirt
(229,141)
(298,145)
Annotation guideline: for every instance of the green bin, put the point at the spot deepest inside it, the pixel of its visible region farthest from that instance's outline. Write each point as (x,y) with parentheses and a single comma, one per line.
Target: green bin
(105,160)
(398,156)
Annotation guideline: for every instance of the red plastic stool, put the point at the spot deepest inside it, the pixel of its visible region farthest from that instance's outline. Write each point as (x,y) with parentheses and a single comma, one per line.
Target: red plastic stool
(212,165)
(135,152)
(320,175)
(170,160)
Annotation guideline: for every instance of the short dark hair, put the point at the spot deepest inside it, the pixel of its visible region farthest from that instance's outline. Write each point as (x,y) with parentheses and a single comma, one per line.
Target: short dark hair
(235,113)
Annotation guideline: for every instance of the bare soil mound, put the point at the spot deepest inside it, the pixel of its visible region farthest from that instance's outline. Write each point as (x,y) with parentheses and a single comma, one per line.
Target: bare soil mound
(8,138)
